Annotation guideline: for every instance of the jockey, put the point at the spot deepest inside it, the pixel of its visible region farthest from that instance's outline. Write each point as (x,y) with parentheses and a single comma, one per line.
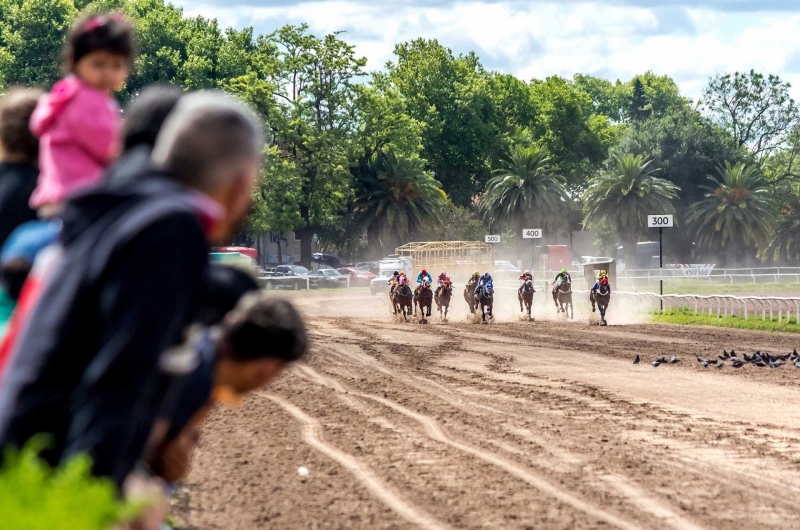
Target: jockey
(476,276)
(602,278)
(484,280)
(422,276)
(440,281)
(393,281)
(560,277)
(525,277)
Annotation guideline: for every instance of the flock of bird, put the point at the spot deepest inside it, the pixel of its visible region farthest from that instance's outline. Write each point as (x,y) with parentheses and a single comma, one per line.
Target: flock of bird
(762,360)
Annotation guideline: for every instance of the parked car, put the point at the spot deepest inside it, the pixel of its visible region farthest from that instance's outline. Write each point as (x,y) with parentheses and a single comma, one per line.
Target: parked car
(358,277)
(505,270)
(387,266)
(371,266)
(294,277)
(329,278)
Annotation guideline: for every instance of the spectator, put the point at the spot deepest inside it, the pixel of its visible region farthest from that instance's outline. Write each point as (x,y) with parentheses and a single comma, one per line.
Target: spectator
(255,341)
(19,155)
(144,118)
(86,365)
(78,121)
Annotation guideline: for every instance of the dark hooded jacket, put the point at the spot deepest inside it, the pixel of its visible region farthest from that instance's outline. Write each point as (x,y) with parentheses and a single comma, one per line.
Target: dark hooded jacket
(85,368)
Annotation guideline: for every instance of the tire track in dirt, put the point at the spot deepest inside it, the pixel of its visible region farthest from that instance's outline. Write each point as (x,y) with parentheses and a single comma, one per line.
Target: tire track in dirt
(626,488)
(313,437)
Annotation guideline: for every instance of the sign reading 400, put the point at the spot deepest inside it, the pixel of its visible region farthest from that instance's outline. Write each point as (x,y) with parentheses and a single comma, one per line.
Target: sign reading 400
(492,239)
(659,221)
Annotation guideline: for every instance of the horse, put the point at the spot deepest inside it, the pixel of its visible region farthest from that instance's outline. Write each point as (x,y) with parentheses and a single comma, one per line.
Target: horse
(562,297)
(423,297)
(486,301)
(403,300)
(526,296)
(443,299)
(601,297)
(469,296)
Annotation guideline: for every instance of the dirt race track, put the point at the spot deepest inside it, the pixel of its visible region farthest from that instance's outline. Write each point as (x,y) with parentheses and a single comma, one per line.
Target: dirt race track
(510,425)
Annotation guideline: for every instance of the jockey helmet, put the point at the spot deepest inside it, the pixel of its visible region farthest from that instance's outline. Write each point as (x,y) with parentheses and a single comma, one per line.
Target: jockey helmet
(476,273)
(603,273)
(527,273)
(486,275)
(563,271)
(396,273)
(424,271)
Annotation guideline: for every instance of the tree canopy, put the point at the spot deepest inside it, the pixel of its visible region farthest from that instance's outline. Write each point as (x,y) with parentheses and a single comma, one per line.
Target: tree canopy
(332,120)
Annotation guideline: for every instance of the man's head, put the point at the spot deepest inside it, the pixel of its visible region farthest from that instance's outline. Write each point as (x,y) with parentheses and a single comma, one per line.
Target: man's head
(212,143)
(258,339)
(17,143)
(146,114)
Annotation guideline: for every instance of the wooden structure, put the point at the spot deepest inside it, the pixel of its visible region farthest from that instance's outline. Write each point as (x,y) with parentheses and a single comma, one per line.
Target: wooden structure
(458,258)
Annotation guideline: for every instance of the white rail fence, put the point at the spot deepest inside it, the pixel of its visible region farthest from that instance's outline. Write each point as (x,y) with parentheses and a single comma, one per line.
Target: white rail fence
(764,308)
(651,277)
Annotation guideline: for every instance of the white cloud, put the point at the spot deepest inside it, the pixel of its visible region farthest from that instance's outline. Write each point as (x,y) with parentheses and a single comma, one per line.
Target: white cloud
(612,38)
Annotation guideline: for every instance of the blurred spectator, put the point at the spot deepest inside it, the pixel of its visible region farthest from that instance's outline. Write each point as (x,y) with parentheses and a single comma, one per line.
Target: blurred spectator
(19,155)
(78,121)
(86,367)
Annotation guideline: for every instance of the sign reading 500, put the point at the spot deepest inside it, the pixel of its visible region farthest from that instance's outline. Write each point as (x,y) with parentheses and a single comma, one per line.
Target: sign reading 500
(492,239)
(660,221)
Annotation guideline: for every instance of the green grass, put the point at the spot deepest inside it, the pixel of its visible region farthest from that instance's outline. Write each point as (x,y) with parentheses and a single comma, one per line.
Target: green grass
(737,322)
(704,288)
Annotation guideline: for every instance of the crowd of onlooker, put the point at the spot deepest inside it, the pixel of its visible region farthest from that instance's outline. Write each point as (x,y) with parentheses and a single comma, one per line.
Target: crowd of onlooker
(116,334)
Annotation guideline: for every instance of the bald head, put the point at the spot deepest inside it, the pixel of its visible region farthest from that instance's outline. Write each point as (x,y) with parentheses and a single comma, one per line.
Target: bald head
(208,139)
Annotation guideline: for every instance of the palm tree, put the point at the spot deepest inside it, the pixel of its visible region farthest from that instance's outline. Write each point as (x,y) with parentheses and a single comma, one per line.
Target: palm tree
(786,236)
(525,189)
(624,195)
(396,198)
(735,211)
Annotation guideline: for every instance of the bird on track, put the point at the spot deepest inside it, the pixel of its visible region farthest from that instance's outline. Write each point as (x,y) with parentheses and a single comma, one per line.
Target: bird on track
(760,364)
(699,359)
(705,364)
(636,360)
(662,360)
(673,360)
(773,364)
(712,361)
(720,365)
(655,364)
(747,358)
(724,356)
(733,354)
(737,364)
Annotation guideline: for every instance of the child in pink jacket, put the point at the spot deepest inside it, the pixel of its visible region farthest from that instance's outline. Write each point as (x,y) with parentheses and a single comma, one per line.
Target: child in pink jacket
(78,122)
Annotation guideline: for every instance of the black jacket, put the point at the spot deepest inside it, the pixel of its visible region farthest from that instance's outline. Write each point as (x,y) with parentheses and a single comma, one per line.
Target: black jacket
(17,182)
(85,368)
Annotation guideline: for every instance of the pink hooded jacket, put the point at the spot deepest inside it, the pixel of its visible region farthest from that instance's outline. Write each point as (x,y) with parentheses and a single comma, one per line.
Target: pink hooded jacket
(78,128)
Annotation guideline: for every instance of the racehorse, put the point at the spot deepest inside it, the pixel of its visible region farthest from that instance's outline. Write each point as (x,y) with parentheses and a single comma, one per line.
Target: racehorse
(443,300)
(601,297)
(526,296)
(423,297)
(485,300)
(562,297)
(469,296)
(403,300)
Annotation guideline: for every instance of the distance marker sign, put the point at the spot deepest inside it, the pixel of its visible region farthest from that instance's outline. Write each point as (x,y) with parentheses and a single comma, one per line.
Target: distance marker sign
(492,239)
(659,221)
(531,233)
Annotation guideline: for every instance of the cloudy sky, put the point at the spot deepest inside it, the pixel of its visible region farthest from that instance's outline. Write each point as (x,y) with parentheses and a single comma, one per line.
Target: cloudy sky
(615,39)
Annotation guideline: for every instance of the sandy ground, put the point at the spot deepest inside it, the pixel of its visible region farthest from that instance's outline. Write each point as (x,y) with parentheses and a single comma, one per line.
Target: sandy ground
(515,424)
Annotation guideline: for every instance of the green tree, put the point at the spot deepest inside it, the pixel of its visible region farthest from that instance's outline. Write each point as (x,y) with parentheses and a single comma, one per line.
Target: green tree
(313,121)
(450,96)
(785,239)
(31,36)
(396,200)
(736,212)
(624,195)
(640,108)
(756,109)
(525,189)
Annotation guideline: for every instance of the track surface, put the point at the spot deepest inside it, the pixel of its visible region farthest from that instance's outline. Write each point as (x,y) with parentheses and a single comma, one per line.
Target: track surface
(510,425)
